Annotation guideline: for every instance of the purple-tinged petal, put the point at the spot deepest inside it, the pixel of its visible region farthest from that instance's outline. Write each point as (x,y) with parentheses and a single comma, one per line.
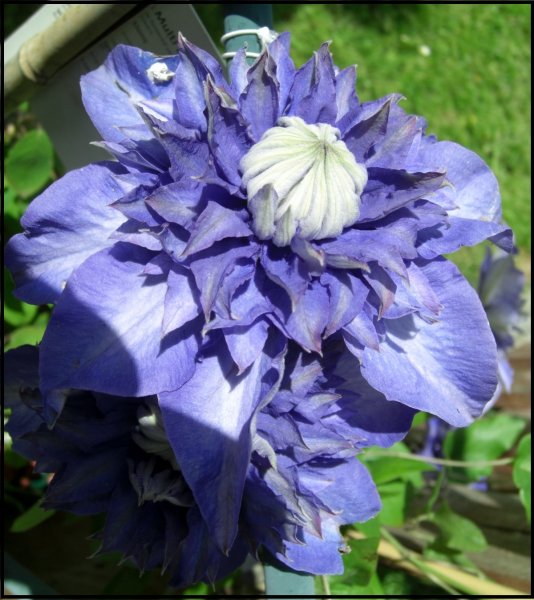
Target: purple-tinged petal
(463,232)
(188,151)
(398,142)
(214,224)
(246,342)
(211,266)
(259,101)
(111,92)
(286,270)
(237,72)
(447,368)
(310,317)
(243,271)
(105,332)
(178,202)
(194,66)
(477,190)
(67,223)
(363,329)
(390,189)
(347,295)
(380,245)
(313,94)
(227,132)
(182,303)
(363,414)
(283,68)
(383,286)
(313,257)
(137,233)
(367,132)
(346,98)
(208,422)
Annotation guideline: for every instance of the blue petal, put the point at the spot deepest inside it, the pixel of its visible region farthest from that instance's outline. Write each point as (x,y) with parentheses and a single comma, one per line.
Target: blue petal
(446,368)
(208,422)
(346,98)
(259,101)
(313,94)
(211,266)
(178,202)
(182,303)
(105,332)
(310,317)
(111,92)
(227,132)
(66,224)
(213,224)
(246,342)
(347,295)
(390,189)
(286,270)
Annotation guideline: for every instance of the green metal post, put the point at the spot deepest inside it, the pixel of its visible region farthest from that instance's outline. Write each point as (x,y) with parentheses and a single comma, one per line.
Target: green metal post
(278,581)
(246,16)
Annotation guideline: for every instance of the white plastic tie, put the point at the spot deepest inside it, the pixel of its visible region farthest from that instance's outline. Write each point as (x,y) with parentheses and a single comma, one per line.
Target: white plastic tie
(264,35)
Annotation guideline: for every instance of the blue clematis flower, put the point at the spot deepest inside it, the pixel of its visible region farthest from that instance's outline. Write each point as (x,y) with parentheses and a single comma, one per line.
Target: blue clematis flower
(274,203)
(245,225)
(500,287)
(117,455)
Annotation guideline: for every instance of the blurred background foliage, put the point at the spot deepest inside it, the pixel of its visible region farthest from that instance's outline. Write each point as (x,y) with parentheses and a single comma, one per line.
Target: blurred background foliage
(466,68)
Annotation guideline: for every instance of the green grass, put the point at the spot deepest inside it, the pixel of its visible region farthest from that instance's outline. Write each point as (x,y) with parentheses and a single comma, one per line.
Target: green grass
(473,88)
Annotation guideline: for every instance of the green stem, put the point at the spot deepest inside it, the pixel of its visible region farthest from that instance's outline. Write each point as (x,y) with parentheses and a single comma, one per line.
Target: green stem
(435,492)
(443,461)
(404,552)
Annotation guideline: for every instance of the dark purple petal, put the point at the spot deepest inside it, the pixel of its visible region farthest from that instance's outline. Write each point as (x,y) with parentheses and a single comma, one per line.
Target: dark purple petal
(369,130)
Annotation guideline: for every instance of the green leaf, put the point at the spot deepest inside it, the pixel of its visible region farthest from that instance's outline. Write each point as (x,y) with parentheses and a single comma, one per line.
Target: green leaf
(521,473)
(29,334)
(456,532)
(386,468)
(360,563)
(370,528)
(29,163)
(16,313)
(373,588)
(31,518)
(486,439)
(394,497)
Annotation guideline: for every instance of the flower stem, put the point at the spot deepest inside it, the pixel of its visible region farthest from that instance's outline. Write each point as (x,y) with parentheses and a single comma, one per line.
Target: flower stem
(443,461)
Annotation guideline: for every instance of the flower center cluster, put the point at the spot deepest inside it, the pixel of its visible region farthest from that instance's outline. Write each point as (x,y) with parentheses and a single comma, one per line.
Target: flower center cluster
(150,434)
(302,180)
(152,480)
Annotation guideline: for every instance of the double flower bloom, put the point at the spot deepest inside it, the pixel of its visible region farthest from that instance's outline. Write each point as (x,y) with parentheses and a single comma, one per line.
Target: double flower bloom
(260,271)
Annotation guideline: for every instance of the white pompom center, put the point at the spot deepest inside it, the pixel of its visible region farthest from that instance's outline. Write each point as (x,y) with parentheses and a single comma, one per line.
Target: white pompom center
(302,180)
